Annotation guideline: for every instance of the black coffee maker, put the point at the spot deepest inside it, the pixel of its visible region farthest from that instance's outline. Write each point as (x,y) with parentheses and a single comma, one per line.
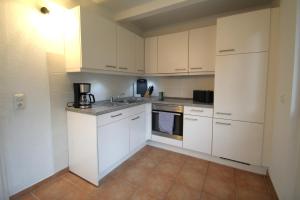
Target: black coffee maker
(82,96)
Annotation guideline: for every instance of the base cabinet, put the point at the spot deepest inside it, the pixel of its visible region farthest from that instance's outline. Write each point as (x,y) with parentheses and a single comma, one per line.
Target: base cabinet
(239,141)
(137,124)
(197,133)
(113,143)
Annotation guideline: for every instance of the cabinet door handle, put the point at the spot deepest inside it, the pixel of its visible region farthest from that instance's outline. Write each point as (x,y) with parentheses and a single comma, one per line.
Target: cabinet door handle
(223,113)
(221,123)
(112,116)
(226,50)
(196,68)
(194,110)
(140,70)
(180,69)
(135,118)
(191,119)
(124,68)
(110,66)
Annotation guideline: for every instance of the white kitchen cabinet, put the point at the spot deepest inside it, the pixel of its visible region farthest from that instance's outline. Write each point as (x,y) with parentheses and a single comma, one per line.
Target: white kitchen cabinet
(173,53)
(83,147)
(113,143)
(239,141)
(98,144)
(151,55)
(90,41)
(139,55)
(137,124)
(243,33)
(240,87)
(202,48)
(197,133)
(126,50)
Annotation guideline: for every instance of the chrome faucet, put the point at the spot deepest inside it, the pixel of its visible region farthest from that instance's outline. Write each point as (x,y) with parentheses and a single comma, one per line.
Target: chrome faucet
(112,98)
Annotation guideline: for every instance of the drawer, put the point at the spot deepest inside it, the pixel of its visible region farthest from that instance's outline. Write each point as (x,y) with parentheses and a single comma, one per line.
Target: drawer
(199,111)
(120,114)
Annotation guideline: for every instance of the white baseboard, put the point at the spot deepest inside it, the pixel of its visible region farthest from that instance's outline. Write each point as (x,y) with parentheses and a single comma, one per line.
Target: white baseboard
(251,168)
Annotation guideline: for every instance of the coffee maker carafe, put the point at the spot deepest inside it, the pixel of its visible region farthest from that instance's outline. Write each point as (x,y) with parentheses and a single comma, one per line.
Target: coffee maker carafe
(82,96)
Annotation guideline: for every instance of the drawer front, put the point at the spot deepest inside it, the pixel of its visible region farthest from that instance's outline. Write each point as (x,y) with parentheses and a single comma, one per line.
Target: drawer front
(205,112)
(120,114)
(239,141)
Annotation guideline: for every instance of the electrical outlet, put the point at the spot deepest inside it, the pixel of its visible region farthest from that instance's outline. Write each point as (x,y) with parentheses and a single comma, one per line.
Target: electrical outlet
(19,101)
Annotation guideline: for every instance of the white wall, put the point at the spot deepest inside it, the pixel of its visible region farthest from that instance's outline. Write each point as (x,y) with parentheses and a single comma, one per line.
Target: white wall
(181,86)
(271,86)
(285,149)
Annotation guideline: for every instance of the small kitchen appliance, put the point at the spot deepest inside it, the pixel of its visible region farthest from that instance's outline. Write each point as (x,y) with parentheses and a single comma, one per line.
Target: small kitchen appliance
(82,96)
(203,96)
(142,87)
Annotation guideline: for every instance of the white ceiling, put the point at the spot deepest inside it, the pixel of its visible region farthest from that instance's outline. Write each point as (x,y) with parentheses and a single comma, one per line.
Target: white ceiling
(177,10)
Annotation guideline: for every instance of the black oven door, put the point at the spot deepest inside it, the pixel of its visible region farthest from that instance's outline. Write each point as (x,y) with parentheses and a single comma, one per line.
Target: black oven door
(177,131)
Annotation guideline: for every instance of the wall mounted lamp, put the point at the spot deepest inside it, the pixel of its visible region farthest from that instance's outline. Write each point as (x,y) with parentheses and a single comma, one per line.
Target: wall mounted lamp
(44,10)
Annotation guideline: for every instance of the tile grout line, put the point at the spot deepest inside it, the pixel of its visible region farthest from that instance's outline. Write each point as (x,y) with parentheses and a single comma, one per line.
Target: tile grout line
(34,196)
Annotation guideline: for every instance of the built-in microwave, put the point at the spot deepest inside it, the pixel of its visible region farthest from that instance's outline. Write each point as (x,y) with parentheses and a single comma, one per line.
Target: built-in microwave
(167,120)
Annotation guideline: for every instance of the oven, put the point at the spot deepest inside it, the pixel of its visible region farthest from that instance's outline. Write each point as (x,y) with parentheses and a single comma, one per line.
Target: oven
(167,120)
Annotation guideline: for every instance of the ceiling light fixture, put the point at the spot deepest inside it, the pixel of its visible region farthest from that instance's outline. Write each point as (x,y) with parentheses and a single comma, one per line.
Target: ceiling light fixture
(44,10)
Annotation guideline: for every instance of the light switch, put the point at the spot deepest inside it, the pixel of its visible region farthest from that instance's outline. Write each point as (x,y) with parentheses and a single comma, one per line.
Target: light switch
(19,101)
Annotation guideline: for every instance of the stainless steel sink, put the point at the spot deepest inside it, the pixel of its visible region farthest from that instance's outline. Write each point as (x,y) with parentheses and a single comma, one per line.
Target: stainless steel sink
(127,100)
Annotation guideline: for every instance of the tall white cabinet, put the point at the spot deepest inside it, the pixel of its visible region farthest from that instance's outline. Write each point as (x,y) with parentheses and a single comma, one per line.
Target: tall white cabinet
(243,33)
(240,86)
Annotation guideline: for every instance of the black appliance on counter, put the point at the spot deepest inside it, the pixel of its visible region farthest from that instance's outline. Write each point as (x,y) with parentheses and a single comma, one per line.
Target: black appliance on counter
(203,96)
(82,96)
(141,87)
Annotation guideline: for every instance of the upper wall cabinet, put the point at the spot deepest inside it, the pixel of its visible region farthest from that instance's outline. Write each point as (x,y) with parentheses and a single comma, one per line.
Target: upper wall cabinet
(90,41)
(139,55)
(243,33)
(173,53)
(126,50)
(151,55)
(202,47)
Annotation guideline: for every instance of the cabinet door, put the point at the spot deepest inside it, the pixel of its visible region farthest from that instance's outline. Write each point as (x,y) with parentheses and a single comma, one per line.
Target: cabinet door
(202,48)
(173,53)
(99,42)
(139,55)
(137,131)
(113,143)
(151,55)
(240,87)
(126,50)
(243,33)
(197,133)
(240,141)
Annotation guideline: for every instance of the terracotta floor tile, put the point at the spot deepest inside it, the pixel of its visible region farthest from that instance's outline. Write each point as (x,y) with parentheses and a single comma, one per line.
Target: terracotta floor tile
(168,169)
(221,172)
(197,164)
(80,183)
(157,185)
(175,158)
(181,192)
(207,196)
(146,163)
(219,188)
(141,195)
(157,154)
(250,181)
(191,178)
(250,195)
(114,189)
(28,196)
(136,175)
(59,189)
